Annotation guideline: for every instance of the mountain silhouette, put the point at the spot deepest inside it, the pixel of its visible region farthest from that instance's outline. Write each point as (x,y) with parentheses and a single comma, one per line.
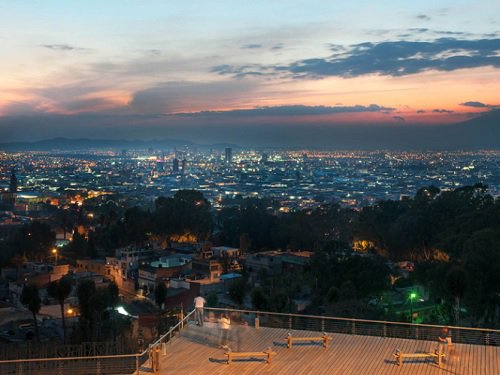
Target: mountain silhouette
(481,132)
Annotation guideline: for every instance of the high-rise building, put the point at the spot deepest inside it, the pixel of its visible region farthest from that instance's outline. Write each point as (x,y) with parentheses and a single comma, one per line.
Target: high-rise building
(8,197)
(175,165)
(229,155)
(184,166)
(13,182)
(160,165)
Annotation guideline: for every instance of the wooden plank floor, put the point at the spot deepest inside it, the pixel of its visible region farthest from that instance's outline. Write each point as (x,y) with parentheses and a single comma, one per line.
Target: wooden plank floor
(196,351)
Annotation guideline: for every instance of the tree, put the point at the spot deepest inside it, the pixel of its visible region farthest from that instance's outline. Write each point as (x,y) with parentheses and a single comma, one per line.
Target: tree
(137,225)
(333,295)
(31,299)
(212,300)
(35,240)
(112,295)
(160,294)
(238,290)
(187,213)
(91,250)
(78,245)
(86,292)
(347,291)
(60,290)
(259,300)
(482,264)
(456,282)
(18,261)
(66,218)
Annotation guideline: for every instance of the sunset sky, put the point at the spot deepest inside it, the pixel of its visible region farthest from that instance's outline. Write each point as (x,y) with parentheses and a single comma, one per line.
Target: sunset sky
(123,65)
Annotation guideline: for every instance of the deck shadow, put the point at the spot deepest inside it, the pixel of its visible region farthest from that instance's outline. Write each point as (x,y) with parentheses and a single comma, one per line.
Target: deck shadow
(304,343)
(243,360)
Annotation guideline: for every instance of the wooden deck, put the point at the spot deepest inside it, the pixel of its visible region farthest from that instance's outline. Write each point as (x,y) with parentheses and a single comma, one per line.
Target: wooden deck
(197,351)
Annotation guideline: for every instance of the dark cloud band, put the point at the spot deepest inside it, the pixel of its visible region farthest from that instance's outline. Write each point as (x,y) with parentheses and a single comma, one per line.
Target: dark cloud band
(392,58)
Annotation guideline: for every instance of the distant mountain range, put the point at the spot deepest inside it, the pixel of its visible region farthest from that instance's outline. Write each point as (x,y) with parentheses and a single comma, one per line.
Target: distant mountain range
(482,132)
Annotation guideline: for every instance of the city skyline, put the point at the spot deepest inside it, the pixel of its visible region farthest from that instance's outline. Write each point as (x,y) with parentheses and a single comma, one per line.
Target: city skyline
(191,70)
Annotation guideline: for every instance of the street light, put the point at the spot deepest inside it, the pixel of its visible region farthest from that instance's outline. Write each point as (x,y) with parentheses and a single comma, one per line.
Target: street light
(412,296)
(54,251)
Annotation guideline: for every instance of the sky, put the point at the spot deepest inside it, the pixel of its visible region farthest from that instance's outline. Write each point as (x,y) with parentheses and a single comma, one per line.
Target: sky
(145,69)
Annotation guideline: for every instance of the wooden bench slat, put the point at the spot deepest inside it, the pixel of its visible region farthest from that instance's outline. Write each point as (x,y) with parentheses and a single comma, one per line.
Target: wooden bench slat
(249,354)
(400,356)
(325,338)
(268,353)
(416,355)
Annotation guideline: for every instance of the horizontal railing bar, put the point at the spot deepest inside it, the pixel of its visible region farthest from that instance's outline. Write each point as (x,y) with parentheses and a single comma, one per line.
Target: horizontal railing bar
(70,358)
(353,320)
(157,342)
(90,358)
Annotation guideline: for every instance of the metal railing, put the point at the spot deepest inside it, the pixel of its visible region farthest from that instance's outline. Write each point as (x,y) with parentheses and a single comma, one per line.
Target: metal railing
(133,363)
(92,365)
(464,335)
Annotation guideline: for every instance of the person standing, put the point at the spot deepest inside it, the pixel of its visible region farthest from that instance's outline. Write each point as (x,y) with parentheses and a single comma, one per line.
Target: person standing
(444,341)
(199,304)
(225,325)
(238,331)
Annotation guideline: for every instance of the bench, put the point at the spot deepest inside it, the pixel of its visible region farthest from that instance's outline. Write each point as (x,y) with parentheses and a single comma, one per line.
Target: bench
(290,339)
(268,353)
(400,356)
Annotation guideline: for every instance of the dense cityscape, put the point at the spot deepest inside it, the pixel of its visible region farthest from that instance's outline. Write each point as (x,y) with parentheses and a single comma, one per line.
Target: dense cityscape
(297,179)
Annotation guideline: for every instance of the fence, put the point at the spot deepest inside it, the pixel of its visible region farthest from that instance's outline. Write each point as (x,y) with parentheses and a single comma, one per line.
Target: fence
(465,335)
(92,365)
(34,349)
(132,363)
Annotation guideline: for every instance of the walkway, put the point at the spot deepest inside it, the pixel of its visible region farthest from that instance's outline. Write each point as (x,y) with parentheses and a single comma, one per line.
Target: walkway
(196,351)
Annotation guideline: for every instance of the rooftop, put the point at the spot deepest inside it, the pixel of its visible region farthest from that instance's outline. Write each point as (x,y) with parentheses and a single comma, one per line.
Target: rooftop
(358,347)
(363,347)
(196,352)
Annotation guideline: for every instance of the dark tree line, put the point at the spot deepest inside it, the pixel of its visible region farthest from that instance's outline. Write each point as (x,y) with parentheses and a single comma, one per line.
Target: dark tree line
(98,319)
(187,213)
(454,238)
(256,219)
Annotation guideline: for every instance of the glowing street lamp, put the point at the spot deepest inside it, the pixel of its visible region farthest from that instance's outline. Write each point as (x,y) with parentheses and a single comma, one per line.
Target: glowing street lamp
(54,251)
(412,296)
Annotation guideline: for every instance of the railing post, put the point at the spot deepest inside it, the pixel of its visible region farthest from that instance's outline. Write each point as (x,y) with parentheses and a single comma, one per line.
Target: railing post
(257,321)
(322,325)
(385,330)
(416,333)
(137,368)
(156,356)
(353,328)
(290,322)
